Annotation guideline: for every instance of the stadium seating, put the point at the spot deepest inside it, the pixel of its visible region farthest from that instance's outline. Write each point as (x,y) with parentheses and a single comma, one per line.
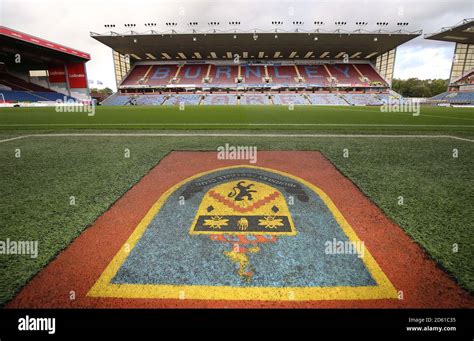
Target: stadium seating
(362,99)
(326,99)
(369,72)
(345,74)
(16,83)
(315,75)
(197,74)
(386,98)
(20,96)
(220,99)
(285,99)
(32,96)
(258,99)
(466,79)
(14,89)
(252,74)
(4,87)
(162,74)
(270,77)
(254,99)
(150,99)
(284,74)
(192,74)
(187,99)
(137,74)
(116,99)
(223,74)
(455,97)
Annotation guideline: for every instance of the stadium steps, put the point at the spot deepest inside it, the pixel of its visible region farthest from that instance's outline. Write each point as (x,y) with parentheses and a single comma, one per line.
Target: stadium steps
(382,77)
(145,76)
(176,76)
(331,77)
(207,79)
(168,97)
(362,77)
(308,101)
(115,99)
(344,99)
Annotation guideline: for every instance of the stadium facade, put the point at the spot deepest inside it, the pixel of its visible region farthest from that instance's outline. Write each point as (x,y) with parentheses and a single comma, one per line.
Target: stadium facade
(40,72)
(260,67)
(461,79)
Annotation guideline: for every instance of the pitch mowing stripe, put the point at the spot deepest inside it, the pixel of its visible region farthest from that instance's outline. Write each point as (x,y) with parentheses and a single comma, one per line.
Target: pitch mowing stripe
(237,135)
(409,114)
(235,125)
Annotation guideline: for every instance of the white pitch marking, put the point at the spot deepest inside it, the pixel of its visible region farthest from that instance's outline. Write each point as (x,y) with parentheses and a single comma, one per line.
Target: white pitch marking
(238,135)
(15,138)
(237,124)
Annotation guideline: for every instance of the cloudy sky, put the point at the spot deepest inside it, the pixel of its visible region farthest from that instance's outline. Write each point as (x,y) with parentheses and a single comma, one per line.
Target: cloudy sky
(70,23)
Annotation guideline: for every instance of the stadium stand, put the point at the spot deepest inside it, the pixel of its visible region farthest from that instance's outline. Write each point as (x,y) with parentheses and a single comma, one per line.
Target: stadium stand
(249,98)
(47,71)
(220,99)
(288,98)
(16,83)
(345,74)
(116,100)
(150,99)
(162,75)
(186,99)
(283,74)
(137,75)
(14,96)
(326,99)
(368,72)
(223,74)
(357,77)
(231,68)
(253,74)
(455,97)
(362,99)
(316,75)
(192,74)
(254,99)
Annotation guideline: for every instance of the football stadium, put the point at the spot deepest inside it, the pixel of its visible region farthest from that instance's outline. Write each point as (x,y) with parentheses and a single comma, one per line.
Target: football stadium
(236,168)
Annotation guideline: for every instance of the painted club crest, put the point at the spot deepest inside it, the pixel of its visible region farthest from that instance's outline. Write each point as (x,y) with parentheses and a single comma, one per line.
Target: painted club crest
(242,232)
(245,214)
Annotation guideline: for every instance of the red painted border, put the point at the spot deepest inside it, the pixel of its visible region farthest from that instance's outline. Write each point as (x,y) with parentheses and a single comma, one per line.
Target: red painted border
(407,266)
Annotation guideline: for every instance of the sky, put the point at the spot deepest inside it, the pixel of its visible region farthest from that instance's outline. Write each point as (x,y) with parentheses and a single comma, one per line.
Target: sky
(70,22)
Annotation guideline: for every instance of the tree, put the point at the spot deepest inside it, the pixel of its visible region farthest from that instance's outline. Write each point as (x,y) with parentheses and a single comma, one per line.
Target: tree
(414,87)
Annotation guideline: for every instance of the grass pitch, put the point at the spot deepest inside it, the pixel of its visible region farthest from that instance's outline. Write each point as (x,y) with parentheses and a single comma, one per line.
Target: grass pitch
(315,118)
(437,189)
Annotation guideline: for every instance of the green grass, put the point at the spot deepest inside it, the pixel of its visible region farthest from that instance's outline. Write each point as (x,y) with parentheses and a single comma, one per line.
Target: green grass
(35,189)
(316,118)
